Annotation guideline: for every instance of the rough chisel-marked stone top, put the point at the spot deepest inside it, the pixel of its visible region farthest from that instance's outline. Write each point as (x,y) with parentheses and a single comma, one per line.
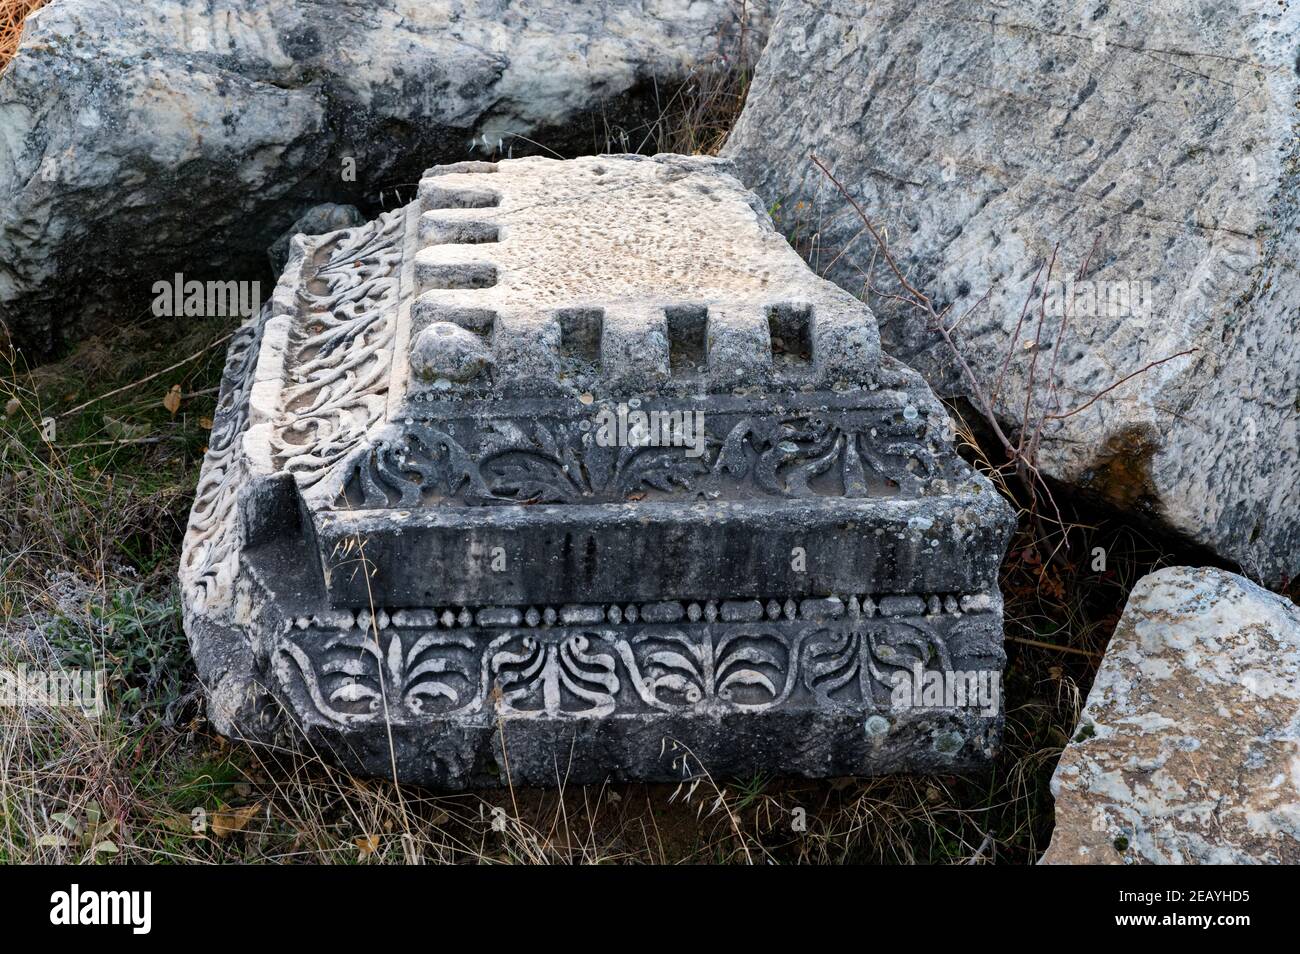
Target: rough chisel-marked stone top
(579,457)
(615,231)
(626,272)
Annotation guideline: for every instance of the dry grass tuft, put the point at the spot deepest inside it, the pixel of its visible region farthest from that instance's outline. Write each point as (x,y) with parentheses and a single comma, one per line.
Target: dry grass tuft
(700,115)
(12,15)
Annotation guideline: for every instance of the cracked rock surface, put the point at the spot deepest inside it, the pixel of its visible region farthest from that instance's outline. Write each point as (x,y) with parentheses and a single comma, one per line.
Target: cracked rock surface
(1189,748)
(1151,148)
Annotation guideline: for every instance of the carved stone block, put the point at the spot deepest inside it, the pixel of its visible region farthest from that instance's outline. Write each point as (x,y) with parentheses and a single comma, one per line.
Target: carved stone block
(573,471)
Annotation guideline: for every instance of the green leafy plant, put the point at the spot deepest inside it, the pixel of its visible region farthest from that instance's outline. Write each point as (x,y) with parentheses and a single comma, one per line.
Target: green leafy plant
(137,639)
(89,832)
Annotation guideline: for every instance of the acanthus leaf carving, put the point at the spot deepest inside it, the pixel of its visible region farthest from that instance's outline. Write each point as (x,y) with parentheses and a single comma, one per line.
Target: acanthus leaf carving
(339,373)
(557,461)
(210,555)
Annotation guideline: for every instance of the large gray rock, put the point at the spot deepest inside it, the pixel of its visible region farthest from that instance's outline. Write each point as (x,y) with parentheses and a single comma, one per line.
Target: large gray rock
(1188,751)
(574,471)
(141,139)
(1154,142)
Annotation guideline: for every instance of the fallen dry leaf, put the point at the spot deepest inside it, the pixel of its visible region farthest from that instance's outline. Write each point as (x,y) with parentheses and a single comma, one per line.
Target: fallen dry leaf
(173,399)
(228,822)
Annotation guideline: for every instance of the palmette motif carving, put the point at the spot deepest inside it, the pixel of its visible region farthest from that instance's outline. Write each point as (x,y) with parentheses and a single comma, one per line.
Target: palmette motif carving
(571,677)
(414,676)
(855,665)
(351,674)
(746,667)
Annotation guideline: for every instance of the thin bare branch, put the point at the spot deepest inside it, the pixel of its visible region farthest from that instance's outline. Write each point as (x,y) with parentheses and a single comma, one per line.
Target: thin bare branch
(1128,377)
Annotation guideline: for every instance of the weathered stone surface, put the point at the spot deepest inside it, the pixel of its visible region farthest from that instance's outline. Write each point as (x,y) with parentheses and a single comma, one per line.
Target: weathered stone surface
(142,139)
(442,351)
(509,556)
(1189,747)
(1155,143)
(319,219)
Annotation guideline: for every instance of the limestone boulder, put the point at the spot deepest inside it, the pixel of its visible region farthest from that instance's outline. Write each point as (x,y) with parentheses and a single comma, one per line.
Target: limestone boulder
(1150,148)
(1188,748)
(142,139)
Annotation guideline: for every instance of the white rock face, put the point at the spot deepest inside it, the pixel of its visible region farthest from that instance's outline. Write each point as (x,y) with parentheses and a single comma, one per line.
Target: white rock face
(139,139)
(1189,747)
(1154,144)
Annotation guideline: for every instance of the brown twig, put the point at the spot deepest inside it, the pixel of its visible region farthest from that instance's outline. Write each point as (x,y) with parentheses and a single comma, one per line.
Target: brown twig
(1039,644)
(148,377)
(13,13)
(1128,377)
(924,302)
